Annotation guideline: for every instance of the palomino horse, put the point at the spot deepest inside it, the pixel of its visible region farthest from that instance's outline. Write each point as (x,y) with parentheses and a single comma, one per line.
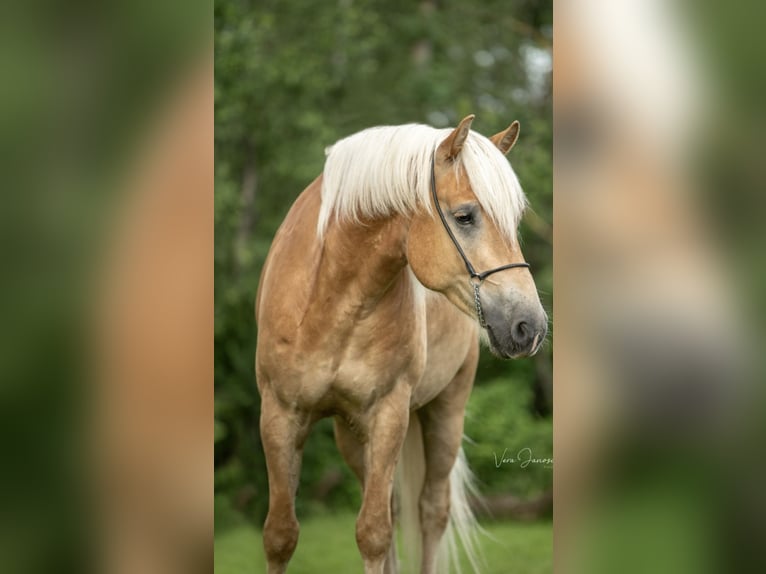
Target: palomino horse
(366,313)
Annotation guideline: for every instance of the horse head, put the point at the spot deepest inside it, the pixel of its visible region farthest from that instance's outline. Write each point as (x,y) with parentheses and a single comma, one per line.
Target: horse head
(466,247)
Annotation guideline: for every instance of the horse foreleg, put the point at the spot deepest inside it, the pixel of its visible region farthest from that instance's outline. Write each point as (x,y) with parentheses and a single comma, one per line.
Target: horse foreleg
(386,431)
(283,433)
(442,423)
(352,450)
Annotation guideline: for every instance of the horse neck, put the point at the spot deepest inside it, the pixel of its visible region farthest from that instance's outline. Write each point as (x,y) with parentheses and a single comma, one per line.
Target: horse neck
(363,262)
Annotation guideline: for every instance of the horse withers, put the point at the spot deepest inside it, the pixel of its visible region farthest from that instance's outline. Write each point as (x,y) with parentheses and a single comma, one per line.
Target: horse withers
(378,285)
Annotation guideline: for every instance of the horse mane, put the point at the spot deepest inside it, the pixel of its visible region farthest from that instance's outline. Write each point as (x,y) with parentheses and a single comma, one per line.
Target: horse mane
(386,170)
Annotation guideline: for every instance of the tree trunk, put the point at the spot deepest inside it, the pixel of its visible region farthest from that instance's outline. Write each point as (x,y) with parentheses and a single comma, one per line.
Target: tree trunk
(247,213)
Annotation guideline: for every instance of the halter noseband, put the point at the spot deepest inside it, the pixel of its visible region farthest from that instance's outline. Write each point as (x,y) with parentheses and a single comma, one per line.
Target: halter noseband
(476,278)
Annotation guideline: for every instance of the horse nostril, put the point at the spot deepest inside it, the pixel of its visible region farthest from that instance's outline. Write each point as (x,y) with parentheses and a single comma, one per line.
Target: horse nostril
(522,331)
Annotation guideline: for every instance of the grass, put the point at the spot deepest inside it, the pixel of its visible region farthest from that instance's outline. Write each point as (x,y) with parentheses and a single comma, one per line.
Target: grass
(327,544)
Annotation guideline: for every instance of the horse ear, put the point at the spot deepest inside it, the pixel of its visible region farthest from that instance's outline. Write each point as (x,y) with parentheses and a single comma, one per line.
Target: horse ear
(453,143)
(506,139)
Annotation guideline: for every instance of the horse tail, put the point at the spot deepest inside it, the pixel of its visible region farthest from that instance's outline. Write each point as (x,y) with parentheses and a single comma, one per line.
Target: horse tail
(462,528)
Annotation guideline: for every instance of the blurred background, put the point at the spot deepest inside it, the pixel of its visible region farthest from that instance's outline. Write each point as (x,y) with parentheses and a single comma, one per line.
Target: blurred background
(106,212)
(106,191)
(291,79)
(659,267)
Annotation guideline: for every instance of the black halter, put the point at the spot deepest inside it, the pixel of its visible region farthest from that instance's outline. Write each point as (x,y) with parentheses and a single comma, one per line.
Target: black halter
(476,278)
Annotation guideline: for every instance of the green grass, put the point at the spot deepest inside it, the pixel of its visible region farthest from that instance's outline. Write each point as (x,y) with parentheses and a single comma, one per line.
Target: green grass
(327,544)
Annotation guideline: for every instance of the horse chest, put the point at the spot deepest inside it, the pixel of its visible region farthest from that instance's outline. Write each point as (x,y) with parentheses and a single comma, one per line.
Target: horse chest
(443,361)
(450,336)
(346,372)
(369,370)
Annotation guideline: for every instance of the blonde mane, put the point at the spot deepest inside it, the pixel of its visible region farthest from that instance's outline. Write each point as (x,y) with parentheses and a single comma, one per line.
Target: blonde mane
(386,170)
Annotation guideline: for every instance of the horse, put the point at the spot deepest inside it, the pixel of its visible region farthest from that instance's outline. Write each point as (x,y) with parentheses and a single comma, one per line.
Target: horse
(370,310)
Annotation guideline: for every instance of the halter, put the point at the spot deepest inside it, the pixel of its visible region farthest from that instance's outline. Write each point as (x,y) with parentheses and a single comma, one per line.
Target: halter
(476,278)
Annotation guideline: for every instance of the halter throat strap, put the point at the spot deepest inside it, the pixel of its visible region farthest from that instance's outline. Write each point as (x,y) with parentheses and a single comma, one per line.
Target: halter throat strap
(476,278)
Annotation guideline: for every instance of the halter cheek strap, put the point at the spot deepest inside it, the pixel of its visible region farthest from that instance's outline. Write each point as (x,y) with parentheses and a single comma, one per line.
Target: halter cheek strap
(476,279)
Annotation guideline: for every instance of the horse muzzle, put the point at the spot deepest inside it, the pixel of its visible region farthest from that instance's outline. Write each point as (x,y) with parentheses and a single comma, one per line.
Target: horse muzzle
(520,334)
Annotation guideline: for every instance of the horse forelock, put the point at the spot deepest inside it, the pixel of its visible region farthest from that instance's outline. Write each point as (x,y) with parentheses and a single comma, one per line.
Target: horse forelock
(385,170)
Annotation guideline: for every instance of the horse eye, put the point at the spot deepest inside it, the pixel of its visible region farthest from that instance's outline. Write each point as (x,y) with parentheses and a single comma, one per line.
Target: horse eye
(464,218)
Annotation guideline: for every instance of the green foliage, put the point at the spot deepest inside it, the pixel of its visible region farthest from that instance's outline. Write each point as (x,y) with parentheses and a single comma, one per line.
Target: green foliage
(292,78)
(499,424)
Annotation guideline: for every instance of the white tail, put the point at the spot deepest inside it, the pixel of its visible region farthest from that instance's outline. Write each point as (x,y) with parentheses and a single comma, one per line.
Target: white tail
(462,528)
